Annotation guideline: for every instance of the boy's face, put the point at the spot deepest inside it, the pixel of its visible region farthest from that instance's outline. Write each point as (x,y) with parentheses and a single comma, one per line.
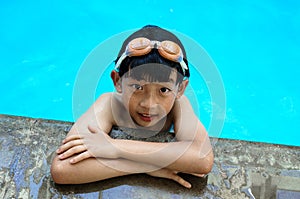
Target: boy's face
(149,102)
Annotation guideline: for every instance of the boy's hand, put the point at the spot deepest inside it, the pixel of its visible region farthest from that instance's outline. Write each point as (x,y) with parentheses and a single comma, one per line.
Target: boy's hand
(95,144)
(169,174)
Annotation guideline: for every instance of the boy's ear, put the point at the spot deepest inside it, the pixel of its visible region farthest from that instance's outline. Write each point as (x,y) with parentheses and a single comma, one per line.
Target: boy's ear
(116,80)
(182,87)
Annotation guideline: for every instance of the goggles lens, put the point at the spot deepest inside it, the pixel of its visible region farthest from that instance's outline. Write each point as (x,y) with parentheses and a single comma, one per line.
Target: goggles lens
(171,47)
(139,43)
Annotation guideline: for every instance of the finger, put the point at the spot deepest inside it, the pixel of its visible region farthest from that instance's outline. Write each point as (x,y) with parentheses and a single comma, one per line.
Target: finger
(68,145)
(181,181)
(71,137)
(72,151)
(80,157)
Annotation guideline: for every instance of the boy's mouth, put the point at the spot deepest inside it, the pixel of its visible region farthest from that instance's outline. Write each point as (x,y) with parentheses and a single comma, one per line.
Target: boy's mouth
(147,117)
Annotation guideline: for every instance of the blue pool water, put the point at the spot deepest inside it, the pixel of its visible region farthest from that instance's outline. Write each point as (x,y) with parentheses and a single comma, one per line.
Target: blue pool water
(255,46)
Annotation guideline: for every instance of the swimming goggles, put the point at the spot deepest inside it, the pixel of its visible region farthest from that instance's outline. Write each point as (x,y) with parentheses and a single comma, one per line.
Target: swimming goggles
(142,46)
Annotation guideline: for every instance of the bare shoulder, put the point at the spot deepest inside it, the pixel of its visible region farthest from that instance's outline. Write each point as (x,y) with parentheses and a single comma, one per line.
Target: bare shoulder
(102,106)
(182,106)
(99,114)
(186,122)
(103,99)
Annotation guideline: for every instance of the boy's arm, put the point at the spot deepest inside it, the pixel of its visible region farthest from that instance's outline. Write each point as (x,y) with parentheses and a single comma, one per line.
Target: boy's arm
(89,170)
(183,155)
(191,154)
(95,169)
(92,169)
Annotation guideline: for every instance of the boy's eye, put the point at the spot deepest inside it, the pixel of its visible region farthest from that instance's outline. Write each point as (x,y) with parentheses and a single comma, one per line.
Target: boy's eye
(137,87)
(165,90)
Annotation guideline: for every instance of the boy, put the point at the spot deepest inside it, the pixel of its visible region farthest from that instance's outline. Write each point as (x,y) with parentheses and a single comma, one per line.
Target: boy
(150,78)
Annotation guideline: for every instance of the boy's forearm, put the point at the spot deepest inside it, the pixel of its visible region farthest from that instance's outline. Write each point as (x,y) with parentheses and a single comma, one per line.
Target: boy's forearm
(183,156)
(92,169)
(192,153)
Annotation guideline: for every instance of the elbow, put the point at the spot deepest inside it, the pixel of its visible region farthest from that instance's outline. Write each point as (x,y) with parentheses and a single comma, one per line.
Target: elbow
(57,174)
(59,171)
(205,164)
(207,168)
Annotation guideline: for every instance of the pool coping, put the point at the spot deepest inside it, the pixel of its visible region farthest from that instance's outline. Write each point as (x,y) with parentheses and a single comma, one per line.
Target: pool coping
(241,169)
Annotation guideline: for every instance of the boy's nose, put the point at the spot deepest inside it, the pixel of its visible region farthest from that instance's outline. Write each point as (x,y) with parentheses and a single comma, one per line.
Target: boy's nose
(149,100)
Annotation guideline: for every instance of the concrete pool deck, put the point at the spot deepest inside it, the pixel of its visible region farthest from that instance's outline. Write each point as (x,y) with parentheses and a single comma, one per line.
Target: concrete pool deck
(241,169)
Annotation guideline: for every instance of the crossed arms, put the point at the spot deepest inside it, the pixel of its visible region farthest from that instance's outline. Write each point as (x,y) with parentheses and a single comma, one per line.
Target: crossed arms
(88,154)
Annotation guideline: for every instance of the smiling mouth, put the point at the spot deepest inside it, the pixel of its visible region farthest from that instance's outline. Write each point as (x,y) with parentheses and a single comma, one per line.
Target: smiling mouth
(147,117)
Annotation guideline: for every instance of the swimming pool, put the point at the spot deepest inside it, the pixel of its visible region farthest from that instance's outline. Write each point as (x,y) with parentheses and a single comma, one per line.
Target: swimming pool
(255,46)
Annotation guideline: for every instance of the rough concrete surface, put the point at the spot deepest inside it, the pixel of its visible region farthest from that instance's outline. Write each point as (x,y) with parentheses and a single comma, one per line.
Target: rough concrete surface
(241,169)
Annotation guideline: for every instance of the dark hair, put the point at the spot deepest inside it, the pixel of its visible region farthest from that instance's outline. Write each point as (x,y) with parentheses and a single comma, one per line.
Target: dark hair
(153,33)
